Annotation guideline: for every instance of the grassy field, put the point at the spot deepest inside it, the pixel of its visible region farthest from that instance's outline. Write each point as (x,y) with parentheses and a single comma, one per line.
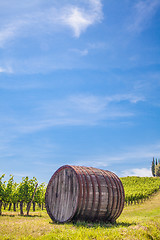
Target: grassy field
(136,222)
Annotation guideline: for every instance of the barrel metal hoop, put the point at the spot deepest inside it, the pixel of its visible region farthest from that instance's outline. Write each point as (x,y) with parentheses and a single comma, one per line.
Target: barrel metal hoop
(94,192)
(118,197)
(83,195)
(100,191)
(122,196)
(111,193)
(87,187)
(108,189)
(110,218)
(79,202)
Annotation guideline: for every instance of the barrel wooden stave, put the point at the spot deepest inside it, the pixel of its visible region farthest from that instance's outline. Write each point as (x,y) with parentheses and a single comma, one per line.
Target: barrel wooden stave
(62,195)
(92,194)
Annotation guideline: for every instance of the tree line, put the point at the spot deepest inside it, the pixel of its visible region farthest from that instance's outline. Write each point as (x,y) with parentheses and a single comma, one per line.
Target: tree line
(155,167)
(21,194)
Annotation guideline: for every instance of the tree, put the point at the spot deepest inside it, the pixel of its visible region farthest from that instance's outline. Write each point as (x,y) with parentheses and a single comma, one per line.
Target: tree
(153,168)
(157,170)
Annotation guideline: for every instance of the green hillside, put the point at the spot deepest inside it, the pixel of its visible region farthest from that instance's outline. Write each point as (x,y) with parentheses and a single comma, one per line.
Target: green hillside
(139,188)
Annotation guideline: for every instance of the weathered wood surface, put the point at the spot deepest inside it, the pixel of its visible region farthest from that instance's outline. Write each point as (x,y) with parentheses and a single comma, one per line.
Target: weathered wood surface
(84,193)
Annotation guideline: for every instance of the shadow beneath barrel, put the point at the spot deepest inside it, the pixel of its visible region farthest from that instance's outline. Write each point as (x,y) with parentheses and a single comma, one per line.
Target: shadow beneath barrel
(97,224)
(102,224)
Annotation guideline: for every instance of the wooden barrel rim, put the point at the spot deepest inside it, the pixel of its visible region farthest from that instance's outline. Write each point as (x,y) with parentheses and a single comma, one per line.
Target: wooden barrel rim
(118,197)
(47,190)
(114,202)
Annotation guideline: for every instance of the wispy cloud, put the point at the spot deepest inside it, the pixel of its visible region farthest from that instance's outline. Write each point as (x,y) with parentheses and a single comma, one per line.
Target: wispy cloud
(125,97)
(76,19)
(79,19)
(143,12)
(80,110)
(12,29)
(89,47)
(83,52)
(15,84)
(6,70)
(137,154)
(140,172)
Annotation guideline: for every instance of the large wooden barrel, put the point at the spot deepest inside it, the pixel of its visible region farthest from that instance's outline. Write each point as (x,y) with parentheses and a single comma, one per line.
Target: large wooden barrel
(84,193)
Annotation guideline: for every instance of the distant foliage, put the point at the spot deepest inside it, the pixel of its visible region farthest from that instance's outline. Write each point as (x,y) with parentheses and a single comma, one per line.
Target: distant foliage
(14,193)
(155,167)
(40,194)
(139,188)
(2,188)
(157,170)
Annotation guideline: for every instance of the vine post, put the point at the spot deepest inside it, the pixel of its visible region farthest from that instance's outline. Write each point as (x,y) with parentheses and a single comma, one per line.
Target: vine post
(29,205)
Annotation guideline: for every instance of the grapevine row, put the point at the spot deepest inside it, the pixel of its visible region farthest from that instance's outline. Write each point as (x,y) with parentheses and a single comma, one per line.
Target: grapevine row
(138,189)
(12,193)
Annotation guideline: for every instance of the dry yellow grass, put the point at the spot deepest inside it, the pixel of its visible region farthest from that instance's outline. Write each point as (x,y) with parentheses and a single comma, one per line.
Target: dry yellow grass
(135,223)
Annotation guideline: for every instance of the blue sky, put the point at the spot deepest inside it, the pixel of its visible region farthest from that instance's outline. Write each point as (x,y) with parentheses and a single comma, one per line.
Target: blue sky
(79,84)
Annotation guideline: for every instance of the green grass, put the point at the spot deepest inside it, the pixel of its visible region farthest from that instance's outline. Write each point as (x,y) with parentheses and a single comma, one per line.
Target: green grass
(135,223)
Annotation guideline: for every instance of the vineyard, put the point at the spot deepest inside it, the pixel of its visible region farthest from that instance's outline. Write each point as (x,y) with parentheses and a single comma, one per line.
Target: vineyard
(21,195)
(138,189)
(139,221)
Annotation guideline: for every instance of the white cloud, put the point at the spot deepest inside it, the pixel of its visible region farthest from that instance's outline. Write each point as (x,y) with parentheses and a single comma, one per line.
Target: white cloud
(78,18)
(83,52)
(142,13)
(141,156)
(10,30)
(140,172)
(125,97)
(6,34)
(6,70)
(2,70)
(89,46)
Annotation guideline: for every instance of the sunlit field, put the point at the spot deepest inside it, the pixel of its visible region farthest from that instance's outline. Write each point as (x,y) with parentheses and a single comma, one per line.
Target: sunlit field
(140,221)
